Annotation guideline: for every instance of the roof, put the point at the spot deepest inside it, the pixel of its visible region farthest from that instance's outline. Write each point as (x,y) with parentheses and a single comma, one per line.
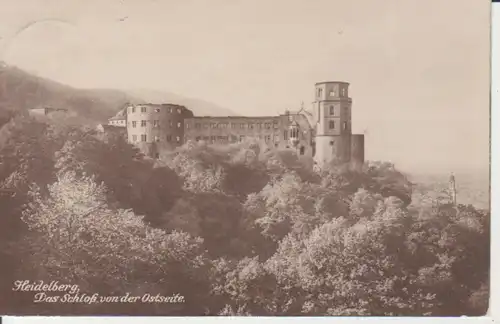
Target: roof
(121,115)
(116,117)
(343,82)
(233,117)
(106,127)
(49,108)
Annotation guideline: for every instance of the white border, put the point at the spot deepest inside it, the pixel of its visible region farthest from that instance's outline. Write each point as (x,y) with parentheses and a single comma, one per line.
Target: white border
(494,311)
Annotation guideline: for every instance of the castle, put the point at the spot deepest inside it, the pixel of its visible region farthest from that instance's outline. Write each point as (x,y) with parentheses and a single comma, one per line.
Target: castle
(325,134)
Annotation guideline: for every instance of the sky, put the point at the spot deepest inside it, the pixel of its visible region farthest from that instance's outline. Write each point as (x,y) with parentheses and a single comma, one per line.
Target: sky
(418,70)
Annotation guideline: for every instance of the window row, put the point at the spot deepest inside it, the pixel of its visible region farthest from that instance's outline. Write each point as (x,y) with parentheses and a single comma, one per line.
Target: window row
(156,123)
(235,138)
(331,125)
(332,110)
(237,125)
(144,109)
(294,132)
(343,92)
(156,138)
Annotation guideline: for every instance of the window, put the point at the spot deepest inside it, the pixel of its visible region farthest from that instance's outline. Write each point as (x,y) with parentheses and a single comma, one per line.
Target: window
(242,137)
(178,110)
(197,125)
(268,125)
(332,93)
(290,118)
(133,109)
(332,124)
(157,138)
(198,138)
(143,137)
(157,110)
(275,125)
(345,125)
(143,109)
(213,125)
(250,125)
(179,125)
(285,135)
(169,138)
(134,124)
(242,125)
(157,155)
(320,92)
(134,138)
(178,139)
(212,138)
(143,123)
(156,123)
(268,138)
(331,143)
(332,110)
(302,150)
(170,110)
(171,123)
(275,144)
(343,92)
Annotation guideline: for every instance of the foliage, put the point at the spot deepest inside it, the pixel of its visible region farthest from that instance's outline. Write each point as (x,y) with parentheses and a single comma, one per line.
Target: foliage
(77,238)
(240,229)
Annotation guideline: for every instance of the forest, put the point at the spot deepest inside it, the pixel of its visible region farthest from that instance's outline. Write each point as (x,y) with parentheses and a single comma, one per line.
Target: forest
(237,230)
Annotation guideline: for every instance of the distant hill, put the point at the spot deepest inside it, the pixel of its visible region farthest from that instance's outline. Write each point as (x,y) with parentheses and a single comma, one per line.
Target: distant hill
(20,90)
(198,106)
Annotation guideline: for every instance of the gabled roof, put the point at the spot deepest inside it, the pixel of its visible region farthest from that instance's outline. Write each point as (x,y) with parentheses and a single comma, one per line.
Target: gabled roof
(121,115)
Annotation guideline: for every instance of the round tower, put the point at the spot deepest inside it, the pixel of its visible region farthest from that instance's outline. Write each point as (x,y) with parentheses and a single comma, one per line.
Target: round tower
(332,116)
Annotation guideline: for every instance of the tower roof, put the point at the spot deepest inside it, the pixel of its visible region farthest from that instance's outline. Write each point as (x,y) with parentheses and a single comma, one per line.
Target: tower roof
(342,82)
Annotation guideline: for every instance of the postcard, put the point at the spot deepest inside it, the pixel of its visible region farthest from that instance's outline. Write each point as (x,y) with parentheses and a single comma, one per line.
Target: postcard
(245,158)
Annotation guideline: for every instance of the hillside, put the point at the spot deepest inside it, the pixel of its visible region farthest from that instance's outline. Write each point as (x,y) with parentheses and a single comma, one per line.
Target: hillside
(20,90)
(198,106)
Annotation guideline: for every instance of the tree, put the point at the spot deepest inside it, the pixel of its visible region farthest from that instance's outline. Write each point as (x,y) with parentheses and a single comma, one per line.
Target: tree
(132,180)
(77,238)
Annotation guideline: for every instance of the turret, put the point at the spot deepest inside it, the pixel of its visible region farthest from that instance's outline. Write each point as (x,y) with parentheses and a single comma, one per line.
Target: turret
(332,115)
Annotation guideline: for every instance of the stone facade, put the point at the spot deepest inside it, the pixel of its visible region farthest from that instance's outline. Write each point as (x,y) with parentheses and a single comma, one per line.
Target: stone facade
(324,134)
(156,127)
(274,131)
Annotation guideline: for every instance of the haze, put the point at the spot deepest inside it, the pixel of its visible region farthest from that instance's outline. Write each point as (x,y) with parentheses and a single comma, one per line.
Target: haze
(419,70)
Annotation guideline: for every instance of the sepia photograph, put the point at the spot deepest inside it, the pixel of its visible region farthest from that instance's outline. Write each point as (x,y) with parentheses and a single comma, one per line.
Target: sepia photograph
(245,158)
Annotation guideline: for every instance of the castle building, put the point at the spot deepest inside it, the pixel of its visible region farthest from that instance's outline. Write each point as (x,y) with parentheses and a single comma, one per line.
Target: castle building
(325,134)
(156,127)
(45,111)
(119,120)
